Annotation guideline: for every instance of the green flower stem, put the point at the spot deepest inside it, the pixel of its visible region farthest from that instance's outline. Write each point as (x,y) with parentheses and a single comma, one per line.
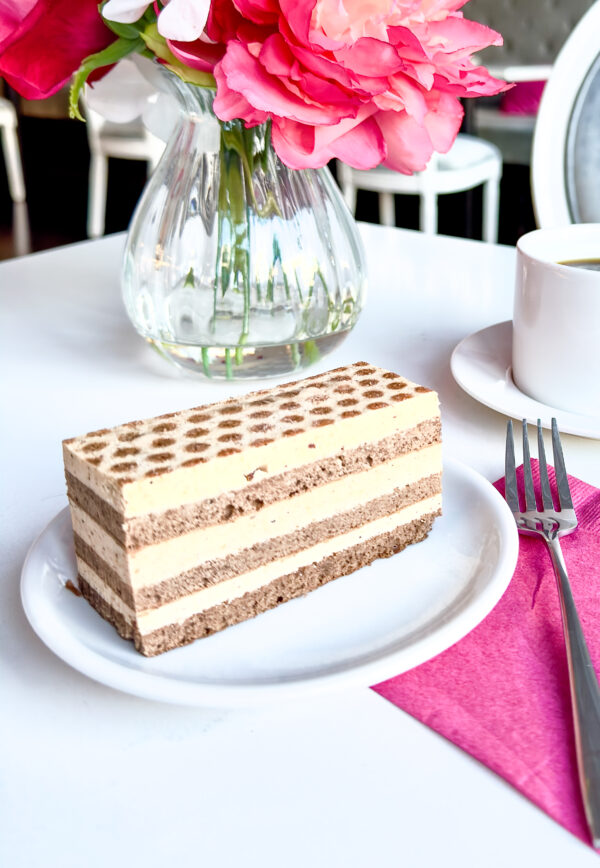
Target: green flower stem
(277,258)
(286,283)
(252,146)
(311,351)
(206,361)
(242,152)
(228,366)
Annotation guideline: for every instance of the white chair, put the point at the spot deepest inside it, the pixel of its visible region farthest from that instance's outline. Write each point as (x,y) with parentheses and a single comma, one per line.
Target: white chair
(565,169)
(127,141)
(21,230)
(11,150)
(470,162)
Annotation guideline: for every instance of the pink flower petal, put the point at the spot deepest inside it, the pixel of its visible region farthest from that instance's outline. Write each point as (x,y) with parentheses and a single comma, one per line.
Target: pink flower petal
(74,30)
(245,75)
(408,143)
(362,147)
(405,40)
(444,122)
(357,141)
(297,15)
(370,57)
(229,104)
(259,11)
(403,94)
(198,54)
(276,57)
(327,67)
(17,16)
(457,34)
(279,59)
(294,144)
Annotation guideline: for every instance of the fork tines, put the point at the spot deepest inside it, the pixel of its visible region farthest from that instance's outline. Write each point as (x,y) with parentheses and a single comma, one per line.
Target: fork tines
(562,484)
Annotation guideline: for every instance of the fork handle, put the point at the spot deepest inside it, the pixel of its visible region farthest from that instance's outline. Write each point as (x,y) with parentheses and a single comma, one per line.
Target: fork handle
(585,696)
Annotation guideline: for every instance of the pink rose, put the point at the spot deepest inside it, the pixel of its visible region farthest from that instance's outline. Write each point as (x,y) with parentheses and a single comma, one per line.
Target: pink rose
(42,42)
(367,83)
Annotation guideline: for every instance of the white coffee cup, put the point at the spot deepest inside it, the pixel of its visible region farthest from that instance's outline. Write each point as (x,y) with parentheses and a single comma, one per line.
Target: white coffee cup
(556,318)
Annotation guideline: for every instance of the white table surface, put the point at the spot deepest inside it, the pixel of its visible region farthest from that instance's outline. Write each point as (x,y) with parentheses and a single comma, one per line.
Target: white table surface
(92,777)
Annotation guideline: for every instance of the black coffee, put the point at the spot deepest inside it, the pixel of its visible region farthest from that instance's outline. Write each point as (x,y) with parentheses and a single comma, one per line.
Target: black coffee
(589,264)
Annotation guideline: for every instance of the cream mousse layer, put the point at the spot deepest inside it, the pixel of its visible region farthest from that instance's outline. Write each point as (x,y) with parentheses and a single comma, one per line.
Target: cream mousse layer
(188,484)
(180,610)
(163,560)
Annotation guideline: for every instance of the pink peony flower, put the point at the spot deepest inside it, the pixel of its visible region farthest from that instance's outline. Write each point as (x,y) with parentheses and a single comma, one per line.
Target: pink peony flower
(367,81)
(42,42)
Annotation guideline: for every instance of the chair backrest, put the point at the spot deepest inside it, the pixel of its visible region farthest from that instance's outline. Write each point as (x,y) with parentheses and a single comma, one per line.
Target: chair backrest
(130,140)
(565,170)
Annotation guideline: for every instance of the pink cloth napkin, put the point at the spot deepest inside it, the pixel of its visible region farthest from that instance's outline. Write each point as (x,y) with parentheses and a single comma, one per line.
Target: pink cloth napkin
(523,98)
(502,692)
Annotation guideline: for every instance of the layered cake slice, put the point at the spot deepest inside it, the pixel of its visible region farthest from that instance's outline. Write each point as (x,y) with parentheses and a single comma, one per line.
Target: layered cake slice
(187,523)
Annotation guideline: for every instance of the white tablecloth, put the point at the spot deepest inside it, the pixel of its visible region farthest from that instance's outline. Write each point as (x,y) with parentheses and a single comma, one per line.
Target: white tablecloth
(93,777)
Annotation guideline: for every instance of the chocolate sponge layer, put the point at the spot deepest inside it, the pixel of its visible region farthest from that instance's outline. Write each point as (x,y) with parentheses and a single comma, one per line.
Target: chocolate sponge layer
(279,591)
(211,572)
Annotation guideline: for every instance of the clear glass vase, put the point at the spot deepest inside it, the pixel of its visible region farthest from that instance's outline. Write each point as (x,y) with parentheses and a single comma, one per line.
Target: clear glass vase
(235,265)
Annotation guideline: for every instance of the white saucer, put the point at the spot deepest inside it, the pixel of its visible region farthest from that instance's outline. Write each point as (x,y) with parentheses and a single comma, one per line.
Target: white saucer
(481,365)
(356,631)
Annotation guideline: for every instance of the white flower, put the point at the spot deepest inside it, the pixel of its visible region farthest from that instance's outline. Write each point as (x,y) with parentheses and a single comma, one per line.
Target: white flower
(122,94)
(124,11)
(134,89)
(181,20)
(161,115)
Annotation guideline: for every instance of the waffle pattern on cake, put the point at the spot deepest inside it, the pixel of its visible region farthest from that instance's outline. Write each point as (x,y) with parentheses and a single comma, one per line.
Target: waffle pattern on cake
(152,447)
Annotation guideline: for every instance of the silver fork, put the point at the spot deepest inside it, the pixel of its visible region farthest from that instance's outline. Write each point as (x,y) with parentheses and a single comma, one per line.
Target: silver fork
(551,524)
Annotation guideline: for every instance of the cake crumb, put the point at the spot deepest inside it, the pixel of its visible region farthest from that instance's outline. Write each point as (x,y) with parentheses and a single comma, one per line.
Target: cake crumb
(250,476)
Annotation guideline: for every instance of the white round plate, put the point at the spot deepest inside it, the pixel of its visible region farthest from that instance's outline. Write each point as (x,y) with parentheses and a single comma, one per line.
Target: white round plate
(481,365)
(357,630)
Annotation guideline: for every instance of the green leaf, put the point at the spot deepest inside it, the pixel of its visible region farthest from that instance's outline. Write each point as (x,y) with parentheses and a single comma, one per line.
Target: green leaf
(127,31)
(107,57)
